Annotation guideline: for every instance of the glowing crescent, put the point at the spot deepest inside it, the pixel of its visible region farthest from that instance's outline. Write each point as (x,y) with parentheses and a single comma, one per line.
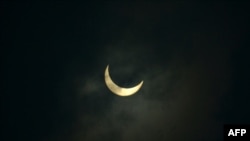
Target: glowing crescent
(117,89)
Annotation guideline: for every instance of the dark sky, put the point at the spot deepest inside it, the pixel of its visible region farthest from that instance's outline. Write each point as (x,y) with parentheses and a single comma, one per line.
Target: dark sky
(192,57)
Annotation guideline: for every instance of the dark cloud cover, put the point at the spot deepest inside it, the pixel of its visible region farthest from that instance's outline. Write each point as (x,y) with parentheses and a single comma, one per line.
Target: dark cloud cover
(192,57)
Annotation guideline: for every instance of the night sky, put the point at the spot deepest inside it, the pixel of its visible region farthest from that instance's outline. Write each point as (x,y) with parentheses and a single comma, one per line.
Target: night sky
(192,57)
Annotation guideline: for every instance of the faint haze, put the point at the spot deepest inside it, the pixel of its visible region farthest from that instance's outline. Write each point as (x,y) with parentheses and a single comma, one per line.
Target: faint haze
(180,52)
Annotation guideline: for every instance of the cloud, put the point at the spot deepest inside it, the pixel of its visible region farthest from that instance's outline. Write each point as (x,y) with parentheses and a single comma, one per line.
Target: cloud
(178,101)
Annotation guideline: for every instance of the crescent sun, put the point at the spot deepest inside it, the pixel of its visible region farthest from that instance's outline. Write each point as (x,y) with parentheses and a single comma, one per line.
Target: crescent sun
(117,89)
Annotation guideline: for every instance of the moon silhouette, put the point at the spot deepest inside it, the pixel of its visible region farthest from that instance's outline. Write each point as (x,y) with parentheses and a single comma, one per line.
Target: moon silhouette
(117,89)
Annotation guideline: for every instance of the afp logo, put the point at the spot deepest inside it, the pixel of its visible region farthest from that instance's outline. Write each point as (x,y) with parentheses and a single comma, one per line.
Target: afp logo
(237,132)
(233,132)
